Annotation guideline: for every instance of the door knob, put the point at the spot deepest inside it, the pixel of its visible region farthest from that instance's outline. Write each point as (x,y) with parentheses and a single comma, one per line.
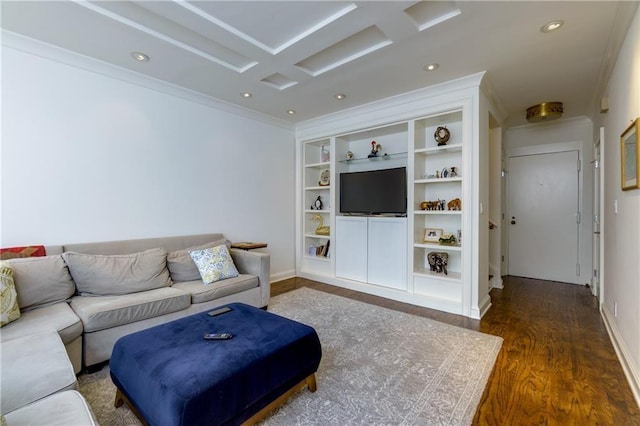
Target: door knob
(513,220)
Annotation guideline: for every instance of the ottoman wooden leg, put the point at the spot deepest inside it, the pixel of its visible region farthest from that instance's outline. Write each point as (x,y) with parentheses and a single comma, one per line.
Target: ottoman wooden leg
(119,399)
(309,382)
(122,399)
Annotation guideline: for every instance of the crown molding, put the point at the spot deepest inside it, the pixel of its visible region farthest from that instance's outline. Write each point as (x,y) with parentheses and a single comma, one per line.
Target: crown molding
(57,54)
(405,106)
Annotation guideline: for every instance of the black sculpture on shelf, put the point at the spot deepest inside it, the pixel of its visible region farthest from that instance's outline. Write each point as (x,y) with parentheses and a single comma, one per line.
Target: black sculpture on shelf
(438,261)
(317,204)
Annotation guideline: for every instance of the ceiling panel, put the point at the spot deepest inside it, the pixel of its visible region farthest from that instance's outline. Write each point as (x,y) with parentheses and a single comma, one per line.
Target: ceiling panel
(297,55)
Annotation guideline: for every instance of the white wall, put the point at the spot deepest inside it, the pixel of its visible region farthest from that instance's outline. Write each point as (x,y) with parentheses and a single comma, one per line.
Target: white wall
(621,279)
(576,130)
(88,157)
(495,206)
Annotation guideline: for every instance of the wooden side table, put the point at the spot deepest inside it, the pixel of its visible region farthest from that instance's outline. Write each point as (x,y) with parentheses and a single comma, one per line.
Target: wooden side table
(246,245)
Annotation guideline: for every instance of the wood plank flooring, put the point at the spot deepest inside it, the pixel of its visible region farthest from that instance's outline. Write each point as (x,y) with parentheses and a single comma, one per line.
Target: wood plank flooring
(557,365)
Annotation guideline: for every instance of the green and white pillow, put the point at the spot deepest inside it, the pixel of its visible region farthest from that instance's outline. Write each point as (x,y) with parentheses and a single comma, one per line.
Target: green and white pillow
(214,264)
(10,311)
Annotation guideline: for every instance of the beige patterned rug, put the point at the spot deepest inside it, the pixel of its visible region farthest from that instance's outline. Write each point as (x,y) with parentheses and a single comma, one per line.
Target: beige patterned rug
(379,367)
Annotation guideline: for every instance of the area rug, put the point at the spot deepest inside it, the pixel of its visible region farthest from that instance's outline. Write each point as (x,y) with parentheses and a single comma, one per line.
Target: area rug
(379,367)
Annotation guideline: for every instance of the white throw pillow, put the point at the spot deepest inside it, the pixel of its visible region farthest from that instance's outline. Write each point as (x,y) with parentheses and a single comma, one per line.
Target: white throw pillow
(9,301)
(214,264)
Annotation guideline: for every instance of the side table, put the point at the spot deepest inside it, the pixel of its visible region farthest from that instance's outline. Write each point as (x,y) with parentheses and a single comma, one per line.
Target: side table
(246,245)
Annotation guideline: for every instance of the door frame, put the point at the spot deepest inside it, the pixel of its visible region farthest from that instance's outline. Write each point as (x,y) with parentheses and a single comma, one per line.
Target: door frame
(551,148)
(600,143)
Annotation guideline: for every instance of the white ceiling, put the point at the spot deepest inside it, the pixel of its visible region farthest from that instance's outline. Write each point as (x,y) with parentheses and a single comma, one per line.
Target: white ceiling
(298,54)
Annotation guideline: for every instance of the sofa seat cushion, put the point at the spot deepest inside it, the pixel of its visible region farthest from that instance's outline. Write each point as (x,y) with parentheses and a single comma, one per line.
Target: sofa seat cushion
(63,409)
(99,313)
(34,367)
(201,293)
(59,317)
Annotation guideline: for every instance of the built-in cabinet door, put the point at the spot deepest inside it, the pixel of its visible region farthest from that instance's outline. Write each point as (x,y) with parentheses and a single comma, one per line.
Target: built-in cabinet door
(351,248)
(387,250)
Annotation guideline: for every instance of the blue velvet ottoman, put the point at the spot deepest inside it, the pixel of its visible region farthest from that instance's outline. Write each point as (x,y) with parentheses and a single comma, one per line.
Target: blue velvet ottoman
(170,375)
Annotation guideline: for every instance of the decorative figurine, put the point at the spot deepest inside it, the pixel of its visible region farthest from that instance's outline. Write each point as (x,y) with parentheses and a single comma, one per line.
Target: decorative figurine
(324,155)
(438,261)
(454,204)
(375,148)
(320,230)
(318,203)
(324,178)
(349,155)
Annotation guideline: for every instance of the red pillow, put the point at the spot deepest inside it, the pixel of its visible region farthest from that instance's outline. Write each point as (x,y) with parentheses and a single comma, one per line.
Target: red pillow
(27,251)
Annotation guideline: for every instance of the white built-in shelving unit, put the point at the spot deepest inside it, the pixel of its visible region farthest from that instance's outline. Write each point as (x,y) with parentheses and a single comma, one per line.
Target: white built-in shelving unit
(387,256)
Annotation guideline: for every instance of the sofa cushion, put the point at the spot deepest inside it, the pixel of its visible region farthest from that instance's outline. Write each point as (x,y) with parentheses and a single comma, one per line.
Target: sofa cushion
(59,317)
(214,264)
(102,275)
(201,293)
(38,366)
(99,313)
(41,281)
(63,409)
(9,309)
(181,265)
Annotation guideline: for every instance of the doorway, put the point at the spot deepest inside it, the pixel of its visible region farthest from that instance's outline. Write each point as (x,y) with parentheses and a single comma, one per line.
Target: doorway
(543,216)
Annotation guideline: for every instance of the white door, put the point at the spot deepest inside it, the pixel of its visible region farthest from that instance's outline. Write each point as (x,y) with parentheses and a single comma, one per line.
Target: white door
(543,216)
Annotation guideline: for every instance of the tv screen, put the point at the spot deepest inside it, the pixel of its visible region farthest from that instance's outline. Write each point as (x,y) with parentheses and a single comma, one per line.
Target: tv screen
(374,192)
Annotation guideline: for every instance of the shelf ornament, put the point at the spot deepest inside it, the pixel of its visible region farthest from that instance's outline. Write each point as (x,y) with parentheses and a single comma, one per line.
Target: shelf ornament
(375,148)
(442,135)
(320,230)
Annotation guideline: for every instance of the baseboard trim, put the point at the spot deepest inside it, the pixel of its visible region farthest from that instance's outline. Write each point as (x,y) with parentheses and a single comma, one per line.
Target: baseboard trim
(628,367)
(280,276)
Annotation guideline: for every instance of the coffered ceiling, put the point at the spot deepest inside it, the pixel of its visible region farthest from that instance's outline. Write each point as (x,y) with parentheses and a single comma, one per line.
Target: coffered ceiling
(297,55)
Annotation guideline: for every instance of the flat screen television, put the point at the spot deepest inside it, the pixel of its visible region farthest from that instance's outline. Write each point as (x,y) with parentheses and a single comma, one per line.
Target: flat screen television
(374,192)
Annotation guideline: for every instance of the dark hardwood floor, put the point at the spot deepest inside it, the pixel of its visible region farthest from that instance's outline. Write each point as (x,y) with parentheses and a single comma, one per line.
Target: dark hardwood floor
(557,365)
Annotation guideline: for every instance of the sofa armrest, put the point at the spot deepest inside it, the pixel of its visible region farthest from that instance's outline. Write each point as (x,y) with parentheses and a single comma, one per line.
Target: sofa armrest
(258,264)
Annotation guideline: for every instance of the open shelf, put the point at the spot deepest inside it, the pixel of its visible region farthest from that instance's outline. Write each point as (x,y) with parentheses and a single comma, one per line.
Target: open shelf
(451,276)
(377,158)
(434,246)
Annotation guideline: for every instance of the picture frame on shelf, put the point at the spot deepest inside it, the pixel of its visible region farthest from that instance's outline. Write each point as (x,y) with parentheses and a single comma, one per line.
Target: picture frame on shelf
(432,235)
(630,156)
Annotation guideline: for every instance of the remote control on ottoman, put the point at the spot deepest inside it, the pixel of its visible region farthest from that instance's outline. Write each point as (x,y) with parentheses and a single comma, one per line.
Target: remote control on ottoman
(171,375)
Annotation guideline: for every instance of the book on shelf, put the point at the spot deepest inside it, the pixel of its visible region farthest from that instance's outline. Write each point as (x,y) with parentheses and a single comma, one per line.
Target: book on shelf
(321,250)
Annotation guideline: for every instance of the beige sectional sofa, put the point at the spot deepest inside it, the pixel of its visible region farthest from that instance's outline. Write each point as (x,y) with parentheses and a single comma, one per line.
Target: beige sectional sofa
(88,295)
(89,324)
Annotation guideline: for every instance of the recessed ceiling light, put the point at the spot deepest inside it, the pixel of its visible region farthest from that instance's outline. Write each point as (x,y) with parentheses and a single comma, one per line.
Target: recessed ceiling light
(340,96)
(431,67)
(246,95)
(139,56)
(291,111)
(551,26)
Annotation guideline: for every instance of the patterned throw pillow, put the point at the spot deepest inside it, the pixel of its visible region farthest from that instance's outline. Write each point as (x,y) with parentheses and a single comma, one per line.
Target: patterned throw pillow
(214,264)
(9,306)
